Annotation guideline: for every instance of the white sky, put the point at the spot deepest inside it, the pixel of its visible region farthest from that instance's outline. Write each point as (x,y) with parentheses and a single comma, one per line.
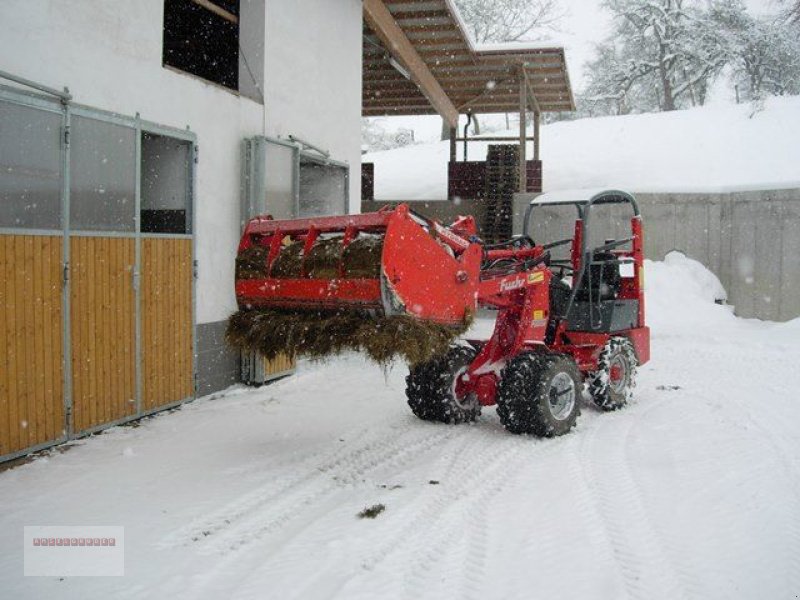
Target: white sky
(584,24)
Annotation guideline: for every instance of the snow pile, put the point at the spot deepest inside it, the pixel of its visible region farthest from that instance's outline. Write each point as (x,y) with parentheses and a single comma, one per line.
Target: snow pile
(712,148)
(682,294)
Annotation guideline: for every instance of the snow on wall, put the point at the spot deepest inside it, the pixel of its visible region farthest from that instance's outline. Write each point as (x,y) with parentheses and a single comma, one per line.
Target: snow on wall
(710,149)
(108,52)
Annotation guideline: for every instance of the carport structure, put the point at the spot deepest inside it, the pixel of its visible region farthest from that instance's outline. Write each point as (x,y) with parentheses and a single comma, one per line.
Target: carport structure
(418,59)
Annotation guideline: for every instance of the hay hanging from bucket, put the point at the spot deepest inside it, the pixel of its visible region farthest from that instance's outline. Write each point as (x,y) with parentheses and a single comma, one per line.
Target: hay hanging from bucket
(320,334)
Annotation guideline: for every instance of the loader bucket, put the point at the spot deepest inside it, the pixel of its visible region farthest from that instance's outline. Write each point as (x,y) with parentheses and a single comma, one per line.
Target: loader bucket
(389,263)
(389,284)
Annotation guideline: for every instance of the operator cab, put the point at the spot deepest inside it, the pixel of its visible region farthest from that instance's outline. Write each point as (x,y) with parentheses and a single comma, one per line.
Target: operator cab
(596,285)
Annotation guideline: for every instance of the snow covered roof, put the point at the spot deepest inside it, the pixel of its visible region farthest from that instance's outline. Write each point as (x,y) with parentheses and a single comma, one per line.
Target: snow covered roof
(476,78)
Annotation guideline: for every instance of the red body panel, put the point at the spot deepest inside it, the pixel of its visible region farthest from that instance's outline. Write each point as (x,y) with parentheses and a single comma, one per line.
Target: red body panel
(424,279)
(313,293)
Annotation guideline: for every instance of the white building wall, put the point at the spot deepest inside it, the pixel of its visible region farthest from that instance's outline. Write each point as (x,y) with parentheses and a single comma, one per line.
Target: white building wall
(109,54)
(309,93)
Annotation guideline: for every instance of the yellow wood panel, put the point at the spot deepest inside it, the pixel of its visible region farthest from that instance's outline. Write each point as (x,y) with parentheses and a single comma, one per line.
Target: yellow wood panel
(102,330)
(31,377)
(166,321)
(279,364)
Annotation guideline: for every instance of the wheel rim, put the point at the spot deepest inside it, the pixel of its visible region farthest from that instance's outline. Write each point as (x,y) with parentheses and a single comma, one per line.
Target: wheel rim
(562,396)
(470,401)
(618,374)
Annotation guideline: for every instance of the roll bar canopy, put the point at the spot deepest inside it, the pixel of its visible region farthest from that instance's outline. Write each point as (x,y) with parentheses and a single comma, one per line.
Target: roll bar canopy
(582,200)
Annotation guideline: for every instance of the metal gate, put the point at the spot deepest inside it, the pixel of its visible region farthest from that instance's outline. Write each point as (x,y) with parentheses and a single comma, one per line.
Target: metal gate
(97,271)
(287,178)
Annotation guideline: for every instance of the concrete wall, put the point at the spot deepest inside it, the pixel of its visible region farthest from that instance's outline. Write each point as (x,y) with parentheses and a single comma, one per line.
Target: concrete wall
(750,240)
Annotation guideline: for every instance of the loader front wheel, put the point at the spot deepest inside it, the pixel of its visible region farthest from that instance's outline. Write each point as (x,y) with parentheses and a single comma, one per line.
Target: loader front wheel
(430,388)
(611,385)
(540,394)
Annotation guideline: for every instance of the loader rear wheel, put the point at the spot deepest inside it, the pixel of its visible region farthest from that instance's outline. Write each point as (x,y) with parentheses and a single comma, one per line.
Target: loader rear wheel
(540,394)
(611,385)
(430,388)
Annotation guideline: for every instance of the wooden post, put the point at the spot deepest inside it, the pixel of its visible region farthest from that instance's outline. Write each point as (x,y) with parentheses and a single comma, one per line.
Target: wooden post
(523,102)
(536,117)
(453,136)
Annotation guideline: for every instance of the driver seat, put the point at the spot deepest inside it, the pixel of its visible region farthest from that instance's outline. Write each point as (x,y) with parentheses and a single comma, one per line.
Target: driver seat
(602,280)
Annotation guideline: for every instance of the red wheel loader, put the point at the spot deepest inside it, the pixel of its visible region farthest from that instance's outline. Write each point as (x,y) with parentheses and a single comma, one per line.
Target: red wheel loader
(561,325)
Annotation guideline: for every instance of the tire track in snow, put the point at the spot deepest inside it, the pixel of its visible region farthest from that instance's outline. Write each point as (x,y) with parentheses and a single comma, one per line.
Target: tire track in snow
(772,366)
(269,488)
(466,471)
(502,475)
(646,570)
(280,507)
(346,464)
(485,466)
(328,581)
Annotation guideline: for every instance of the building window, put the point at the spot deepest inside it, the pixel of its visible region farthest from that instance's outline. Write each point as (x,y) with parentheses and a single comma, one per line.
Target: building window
(201,37)
(165,185)
(323,188)
(102,176)
(30,167)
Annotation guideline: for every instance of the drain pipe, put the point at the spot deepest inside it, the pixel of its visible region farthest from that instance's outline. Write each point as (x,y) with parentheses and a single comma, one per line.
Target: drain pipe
(65,96)
(466,127)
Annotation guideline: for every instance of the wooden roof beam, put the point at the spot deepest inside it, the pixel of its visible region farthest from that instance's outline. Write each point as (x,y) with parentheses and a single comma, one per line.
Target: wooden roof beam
(531,96)
(386,28)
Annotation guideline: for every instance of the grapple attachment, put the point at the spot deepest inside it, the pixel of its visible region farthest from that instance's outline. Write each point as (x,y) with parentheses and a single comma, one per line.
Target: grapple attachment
(387,263)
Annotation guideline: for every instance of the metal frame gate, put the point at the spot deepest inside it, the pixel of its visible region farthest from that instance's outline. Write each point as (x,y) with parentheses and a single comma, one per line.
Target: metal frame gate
(97,318)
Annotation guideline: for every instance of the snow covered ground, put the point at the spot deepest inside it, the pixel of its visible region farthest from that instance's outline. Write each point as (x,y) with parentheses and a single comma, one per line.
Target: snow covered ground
(693,491)
(713,148)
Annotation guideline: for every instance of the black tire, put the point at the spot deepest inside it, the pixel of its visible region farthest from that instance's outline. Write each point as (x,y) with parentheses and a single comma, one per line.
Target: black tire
(613,393)
(528,400)
(429,388)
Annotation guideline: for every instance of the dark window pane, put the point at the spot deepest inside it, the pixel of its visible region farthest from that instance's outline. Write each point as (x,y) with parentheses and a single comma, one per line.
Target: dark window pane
(102,176)
(30,167)
(166,203)
(201,42)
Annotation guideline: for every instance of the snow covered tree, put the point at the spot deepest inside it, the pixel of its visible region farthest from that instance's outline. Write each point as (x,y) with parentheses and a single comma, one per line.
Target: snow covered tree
(507,20)
(661,55)
(764,52)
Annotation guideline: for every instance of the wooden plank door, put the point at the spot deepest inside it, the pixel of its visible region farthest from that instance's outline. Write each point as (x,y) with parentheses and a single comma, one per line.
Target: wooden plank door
(167,322)
(102,330)
(31,348)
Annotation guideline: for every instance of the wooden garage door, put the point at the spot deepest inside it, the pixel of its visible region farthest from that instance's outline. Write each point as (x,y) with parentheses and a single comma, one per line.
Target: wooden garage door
(102,330)
(167,337)
(31,349)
